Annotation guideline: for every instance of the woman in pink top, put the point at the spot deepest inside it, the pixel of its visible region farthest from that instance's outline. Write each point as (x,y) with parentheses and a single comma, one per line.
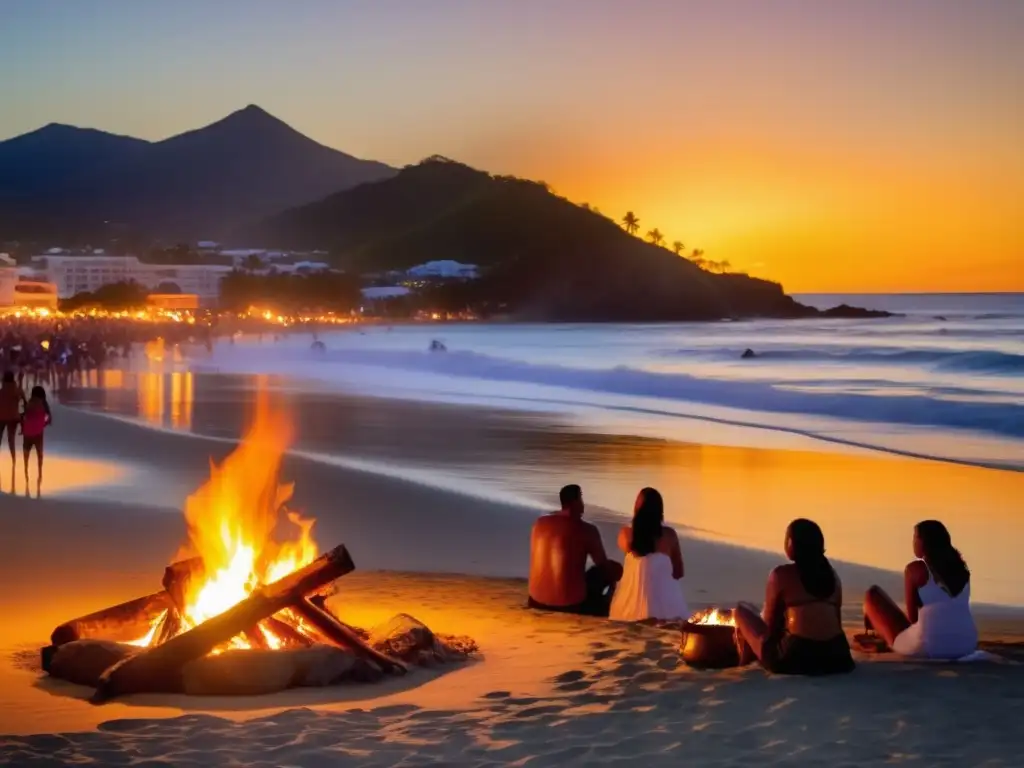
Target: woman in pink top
(34,421)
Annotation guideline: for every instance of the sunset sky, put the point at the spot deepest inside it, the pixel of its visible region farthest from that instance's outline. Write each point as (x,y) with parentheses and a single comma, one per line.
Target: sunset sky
(866,145)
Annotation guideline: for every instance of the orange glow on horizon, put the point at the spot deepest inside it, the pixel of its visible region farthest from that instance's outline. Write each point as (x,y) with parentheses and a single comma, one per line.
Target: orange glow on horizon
(821,223)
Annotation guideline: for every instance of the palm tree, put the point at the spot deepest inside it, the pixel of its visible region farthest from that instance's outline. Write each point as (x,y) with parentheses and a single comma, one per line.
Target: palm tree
(655,236)
(631,223)
(253,262)
(677,248)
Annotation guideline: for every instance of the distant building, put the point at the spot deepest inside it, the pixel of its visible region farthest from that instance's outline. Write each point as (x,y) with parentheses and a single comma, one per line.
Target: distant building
(444,269)
(239,255)
(8,280)
(16,291)
(303,267)
(35,294)
(77,274)
(385,292)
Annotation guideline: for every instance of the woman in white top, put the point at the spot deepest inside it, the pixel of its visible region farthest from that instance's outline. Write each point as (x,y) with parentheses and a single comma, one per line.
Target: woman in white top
(653,566)
(938,622)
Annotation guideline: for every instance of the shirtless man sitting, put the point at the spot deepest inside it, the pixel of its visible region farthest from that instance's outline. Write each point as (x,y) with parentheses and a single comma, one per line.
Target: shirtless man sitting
(560,544)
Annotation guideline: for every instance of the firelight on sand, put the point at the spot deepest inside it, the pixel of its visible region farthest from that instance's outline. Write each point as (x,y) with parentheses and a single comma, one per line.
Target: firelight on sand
(235,525)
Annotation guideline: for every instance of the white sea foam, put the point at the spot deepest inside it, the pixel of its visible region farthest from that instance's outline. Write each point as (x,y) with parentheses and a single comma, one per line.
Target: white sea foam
(895,384)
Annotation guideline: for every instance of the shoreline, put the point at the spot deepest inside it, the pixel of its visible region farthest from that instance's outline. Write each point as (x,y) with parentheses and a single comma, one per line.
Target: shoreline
(738,496)
(548,689)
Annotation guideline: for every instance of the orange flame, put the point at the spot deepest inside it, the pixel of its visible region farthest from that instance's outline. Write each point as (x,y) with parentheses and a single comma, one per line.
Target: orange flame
(714,616)
(235,523)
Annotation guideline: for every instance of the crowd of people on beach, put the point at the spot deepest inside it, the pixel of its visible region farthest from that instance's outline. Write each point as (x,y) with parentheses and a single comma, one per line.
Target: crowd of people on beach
(51,350)
(799,630)
(40,352)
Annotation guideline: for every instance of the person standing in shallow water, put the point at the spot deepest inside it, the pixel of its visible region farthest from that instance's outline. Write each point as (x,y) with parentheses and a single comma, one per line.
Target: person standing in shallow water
(800,631)
(12,398)
(937,586)
(34,422)
(560,545)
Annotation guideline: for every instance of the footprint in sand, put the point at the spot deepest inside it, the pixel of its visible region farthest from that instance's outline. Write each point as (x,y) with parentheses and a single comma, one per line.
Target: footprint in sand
(572,676)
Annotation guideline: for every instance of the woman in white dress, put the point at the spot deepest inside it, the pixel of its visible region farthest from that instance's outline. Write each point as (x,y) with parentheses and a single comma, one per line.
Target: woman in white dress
(938,623)
(653,566)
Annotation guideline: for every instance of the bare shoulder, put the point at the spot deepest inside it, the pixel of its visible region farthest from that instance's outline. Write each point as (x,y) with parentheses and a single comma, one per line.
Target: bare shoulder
(783,574)
(542,522)
(916,571)
(670,533)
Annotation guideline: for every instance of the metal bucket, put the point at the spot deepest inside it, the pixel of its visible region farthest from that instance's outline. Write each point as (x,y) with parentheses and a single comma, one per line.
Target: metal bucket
(709,646)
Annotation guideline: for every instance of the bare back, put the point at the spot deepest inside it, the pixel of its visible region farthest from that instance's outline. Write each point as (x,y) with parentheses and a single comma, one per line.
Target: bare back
(11,398)
(559,547)
(789,605)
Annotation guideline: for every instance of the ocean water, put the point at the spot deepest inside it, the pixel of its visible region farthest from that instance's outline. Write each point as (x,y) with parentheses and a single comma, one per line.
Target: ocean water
(815,425)
(944,380)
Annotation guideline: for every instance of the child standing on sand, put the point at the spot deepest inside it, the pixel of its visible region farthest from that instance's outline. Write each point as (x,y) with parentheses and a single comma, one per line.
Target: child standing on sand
(36,419)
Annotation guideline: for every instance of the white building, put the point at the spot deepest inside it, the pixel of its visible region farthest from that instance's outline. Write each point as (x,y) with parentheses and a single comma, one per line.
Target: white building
(445,268)
(76,274)
(385,292)
(8,279)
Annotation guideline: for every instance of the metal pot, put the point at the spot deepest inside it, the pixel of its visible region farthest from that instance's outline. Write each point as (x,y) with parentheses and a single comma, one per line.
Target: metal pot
(709,646)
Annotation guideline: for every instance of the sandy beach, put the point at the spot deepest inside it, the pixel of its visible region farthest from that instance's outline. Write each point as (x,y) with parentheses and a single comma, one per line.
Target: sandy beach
(547,690)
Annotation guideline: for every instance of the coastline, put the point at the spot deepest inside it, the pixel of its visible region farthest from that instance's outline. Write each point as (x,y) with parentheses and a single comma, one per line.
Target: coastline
(548,690)
(729,494)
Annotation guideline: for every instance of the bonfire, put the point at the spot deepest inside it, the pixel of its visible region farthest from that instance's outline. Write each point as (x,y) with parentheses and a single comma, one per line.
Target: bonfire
(250,581)
(708,639)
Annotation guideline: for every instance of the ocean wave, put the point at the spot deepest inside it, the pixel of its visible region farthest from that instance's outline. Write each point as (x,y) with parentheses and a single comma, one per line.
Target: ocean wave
(974,361)
(998,418)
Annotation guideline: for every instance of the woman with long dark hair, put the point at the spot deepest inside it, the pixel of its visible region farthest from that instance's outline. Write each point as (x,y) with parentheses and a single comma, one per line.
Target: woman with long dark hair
(34,421)
(937,586)
(653,565)
(800,631)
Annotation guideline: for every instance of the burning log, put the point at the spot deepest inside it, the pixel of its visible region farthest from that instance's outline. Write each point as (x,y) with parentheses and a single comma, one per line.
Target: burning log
(255,638)
(287,633)
(159,668)
(124,622)
(342,635)
(178,576)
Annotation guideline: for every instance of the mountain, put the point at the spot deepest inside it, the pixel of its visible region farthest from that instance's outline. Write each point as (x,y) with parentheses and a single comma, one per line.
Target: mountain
(197,184)
(34,162)
(542,256)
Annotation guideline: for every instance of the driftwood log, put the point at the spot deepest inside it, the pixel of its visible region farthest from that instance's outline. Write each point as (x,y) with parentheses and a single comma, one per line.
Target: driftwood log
(132,619)
(158,668)
(343,636)
(123,622)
